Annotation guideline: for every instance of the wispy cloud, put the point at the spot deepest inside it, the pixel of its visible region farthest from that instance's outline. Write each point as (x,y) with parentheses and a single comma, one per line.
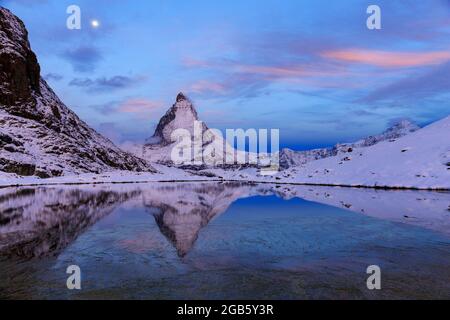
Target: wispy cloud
(83,58)
(140,107)
(53,76)
(389,59)
(204,86)
(107,84)
(425,85)
(270,69)
(232,77)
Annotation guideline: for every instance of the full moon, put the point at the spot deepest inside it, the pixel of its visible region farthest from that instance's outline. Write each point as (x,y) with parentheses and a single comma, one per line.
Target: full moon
(95,23)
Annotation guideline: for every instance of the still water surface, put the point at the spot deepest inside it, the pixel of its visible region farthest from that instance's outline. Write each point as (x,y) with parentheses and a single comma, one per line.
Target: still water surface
(223,241)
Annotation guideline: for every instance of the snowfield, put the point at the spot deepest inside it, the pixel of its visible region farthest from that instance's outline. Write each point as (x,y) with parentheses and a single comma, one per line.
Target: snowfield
(418,160)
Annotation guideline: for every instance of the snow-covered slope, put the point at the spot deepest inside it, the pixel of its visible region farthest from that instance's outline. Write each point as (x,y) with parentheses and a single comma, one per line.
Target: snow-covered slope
(290,158)
(182,115)
(39,135)
(213,148)
(420,159)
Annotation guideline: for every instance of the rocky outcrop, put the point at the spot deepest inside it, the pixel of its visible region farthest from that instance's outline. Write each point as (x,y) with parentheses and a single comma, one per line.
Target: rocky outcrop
(20,71)
(208,148)
(182,115)
(39,135)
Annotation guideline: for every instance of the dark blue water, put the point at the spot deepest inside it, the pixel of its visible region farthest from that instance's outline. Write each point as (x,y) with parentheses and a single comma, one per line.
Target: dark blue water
(256,247)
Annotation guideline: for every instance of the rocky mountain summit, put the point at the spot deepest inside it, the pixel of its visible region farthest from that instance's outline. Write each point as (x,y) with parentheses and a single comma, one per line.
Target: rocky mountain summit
(206,148)
(290,158)
(39,135)
(181,116)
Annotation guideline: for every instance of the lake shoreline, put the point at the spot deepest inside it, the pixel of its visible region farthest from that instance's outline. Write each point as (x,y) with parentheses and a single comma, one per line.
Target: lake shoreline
(393,188)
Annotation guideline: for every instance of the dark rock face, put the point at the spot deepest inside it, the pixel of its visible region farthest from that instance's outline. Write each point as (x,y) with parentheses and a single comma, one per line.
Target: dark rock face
(182,102)
(20,71)
(182,115)
(181,97)
(36,129)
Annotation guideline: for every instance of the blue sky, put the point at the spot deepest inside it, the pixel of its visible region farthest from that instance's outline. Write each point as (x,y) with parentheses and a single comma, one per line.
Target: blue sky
(310,68)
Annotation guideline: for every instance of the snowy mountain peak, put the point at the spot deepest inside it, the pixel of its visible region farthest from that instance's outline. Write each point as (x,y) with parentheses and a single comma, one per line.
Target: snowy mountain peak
(182,115)
(182,97)
(397,130)
(402,127)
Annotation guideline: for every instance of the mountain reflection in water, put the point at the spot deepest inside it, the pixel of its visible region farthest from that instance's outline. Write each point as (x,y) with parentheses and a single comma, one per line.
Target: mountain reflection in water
(211,235)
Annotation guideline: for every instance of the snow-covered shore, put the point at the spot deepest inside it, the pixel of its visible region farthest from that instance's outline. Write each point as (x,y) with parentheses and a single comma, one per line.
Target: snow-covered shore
(214,175)
(420,160)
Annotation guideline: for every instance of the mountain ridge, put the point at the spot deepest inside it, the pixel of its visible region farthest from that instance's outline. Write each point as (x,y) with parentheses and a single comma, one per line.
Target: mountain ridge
(181,116)
(39,135)
(290,158)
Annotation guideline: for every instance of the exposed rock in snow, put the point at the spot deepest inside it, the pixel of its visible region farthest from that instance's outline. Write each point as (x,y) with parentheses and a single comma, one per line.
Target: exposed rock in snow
(182,115)
(212,148)
(41,221)
(420,160)
(398,130)
(183,210)
(417,160)
(290,158)
(39,135)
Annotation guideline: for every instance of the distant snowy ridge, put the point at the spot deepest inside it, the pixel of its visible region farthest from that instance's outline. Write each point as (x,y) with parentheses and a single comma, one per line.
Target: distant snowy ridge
(418,160)
(39,135)
(290,158)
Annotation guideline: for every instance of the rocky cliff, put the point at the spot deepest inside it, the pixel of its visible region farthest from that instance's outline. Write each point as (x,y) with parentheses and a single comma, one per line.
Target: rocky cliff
(39,135)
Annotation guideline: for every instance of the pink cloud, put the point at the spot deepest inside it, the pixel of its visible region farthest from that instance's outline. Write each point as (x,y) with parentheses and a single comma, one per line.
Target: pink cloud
(389,59)
(233,77)
(140,106)
(207,86)
(269,71)
(279,72)
(191,62)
